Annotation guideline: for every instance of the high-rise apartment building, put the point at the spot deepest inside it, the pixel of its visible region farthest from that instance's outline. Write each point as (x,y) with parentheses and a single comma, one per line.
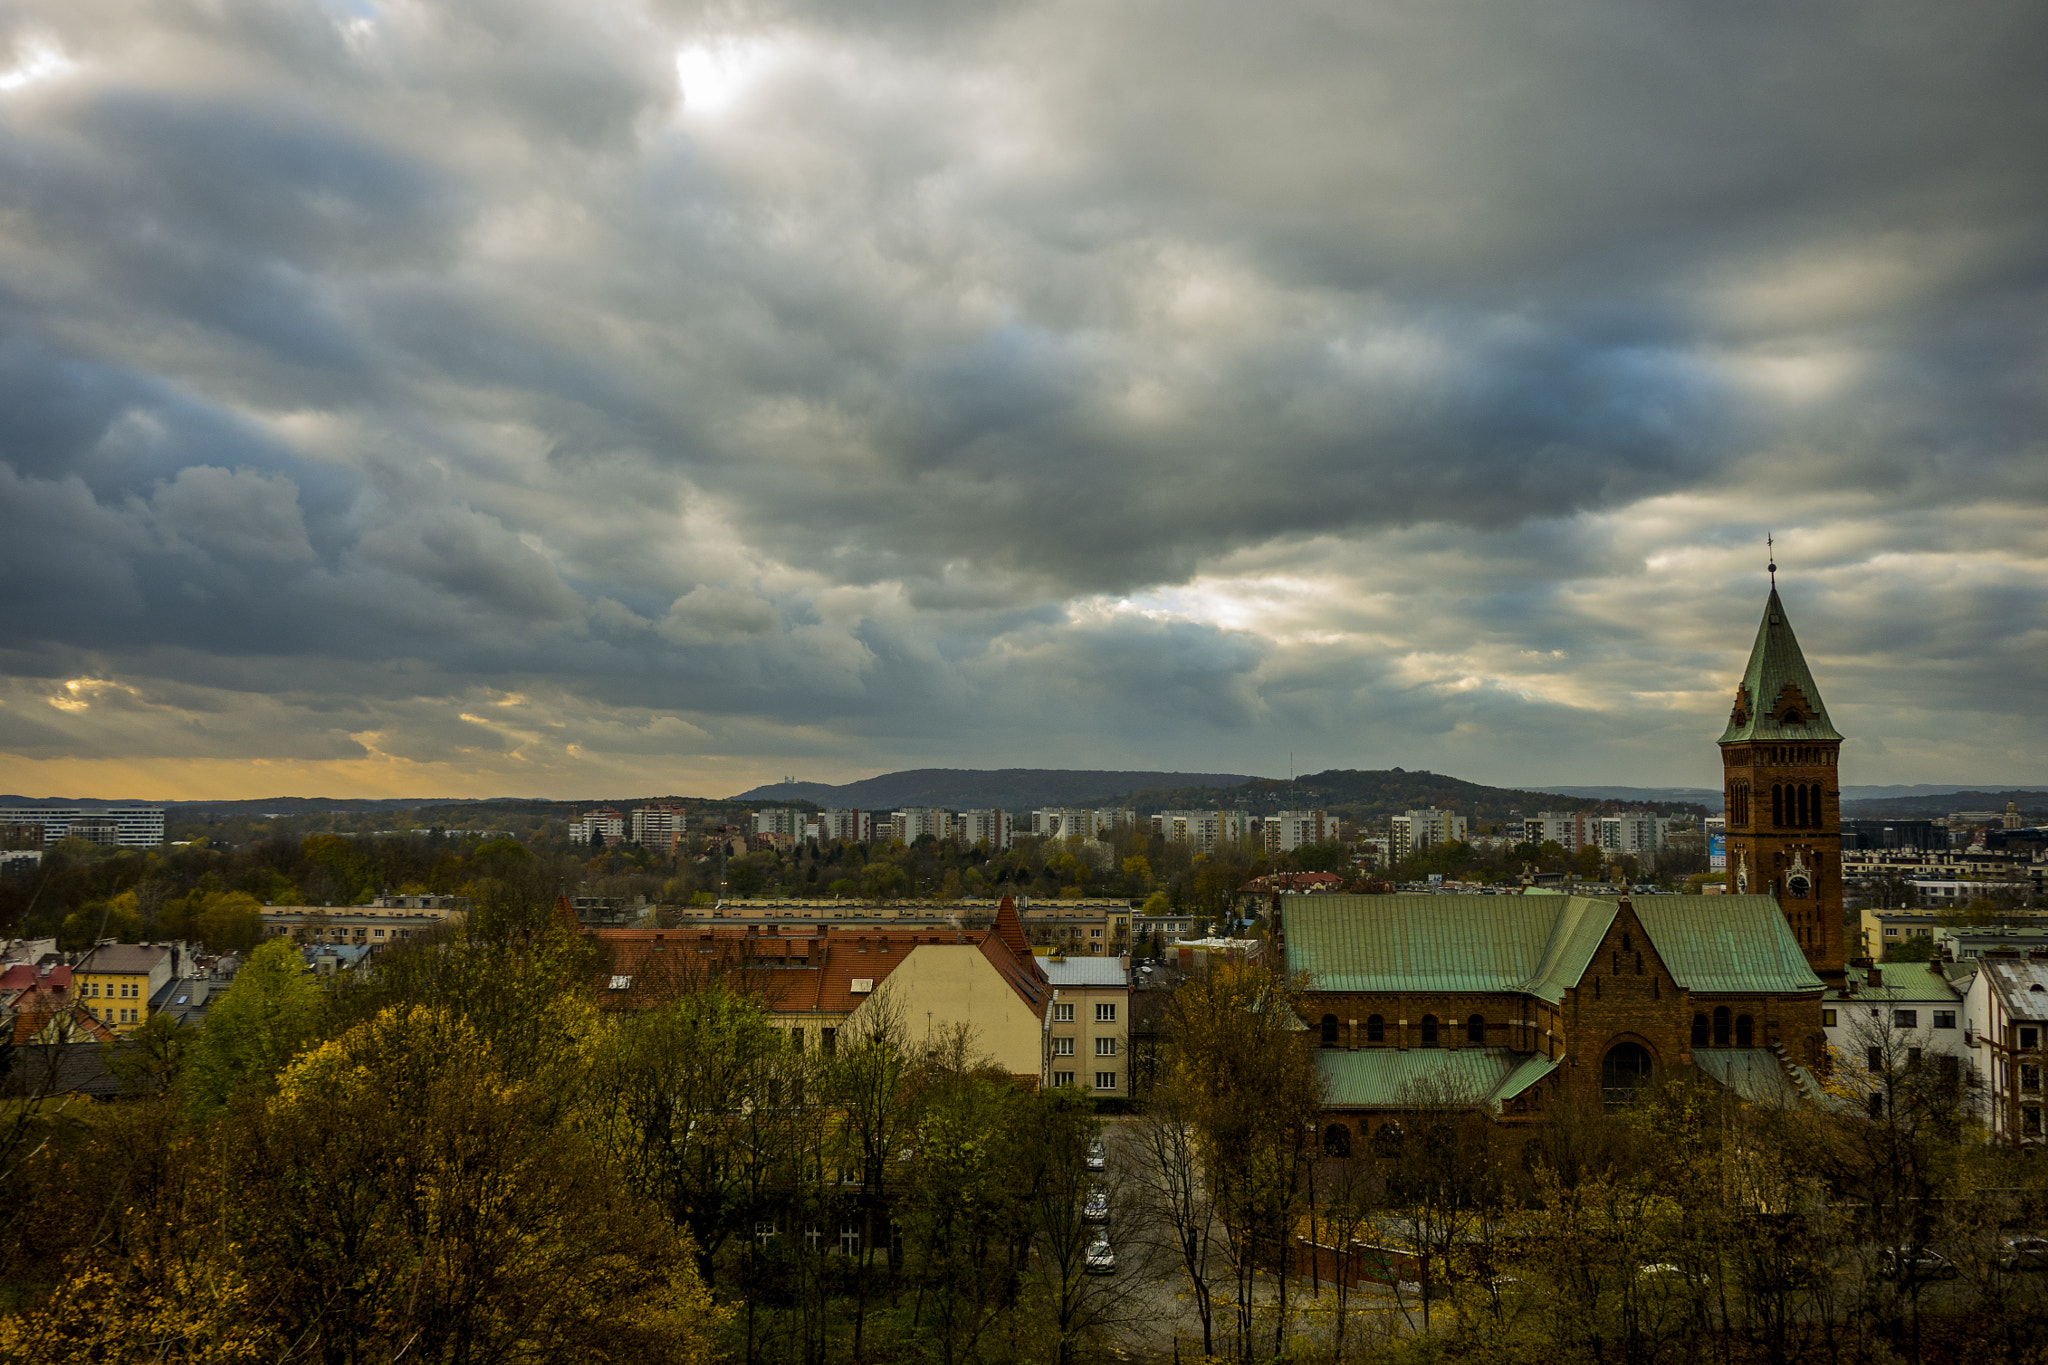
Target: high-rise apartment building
(996,828)
(659,826)
(1416,830)
(1290,829)
(604,820)
(127,826)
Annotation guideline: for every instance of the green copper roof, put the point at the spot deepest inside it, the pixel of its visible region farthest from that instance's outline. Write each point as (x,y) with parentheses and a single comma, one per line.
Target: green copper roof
(1751,1072)
(1527,945)
(1763,702)
(1908,981)
(1726,944)
(1533,945)
(1396,1078)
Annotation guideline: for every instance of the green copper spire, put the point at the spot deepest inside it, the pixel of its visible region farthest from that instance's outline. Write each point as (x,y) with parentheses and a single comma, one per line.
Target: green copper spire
(1778,699)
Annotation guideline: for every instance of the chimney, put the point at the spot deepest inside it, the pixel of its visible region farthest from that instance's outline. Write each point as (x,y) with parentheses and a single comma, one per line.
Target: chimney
(1876,977)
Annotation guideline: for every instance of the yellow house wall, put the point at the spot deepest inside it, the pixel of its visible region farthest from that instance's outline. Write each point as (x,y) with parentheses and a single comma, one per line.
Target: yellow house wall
(943,984)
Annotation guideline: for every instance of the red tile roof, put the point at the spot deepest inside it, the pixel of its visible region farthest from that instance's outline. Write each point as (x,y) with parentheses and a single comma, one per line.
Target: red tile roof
(810,971)
(1011,929)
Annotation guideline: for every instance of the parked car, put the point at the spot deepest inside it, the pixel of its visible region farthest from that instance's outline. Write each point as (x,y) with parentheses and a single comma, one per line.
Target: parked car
(2023,1251)
(1100,1260)
(1096,1209)
(1914,1263)
(1097,1156)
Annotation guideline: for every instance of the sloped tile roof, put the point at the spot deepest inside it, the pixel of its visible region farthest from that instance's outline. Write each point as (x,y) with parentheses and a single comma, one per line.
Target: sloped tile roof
(123,957)
(1083,971)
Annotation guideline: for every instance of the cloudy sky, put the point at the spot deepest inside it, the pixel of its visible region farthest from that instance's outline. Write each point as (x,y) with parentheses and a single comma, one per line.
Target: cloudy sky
(574,397)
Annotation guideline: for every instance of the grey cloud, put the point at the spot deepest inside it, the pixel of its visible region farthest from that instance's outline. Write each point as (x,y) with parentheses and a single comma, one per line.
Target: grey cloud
(428,350)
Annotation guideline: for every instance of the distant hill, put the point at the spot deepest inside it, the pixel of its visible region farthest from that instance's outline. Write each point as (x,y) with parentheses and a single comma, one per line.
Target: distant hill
(1648,796)
(1926,806)
(1360,795)
(969,788)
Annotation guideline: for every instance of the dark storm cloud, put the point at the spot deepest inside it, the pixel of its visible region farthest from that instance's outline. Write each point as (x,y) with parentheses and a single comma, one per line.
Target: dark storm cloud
(1073,382)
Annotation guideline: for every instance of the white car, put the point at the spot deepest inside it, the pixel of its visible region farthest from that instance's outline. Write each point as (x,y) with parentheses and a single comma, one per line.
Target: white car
(1100,1259)
(1097,1157)
(1096,1208)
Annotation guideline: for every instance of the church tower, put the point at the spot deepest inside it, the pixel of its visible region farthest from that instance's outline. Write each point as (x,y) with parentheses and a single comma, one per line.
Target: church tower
(1783,792)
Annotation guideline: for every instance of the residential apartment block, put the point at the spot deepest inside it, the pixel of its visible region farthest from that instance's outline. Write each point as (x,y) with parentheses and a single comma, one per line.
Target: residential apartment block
(2006,1011)
(1419,829)
(1290,829)
(125,826)
(603,821)
(116,982)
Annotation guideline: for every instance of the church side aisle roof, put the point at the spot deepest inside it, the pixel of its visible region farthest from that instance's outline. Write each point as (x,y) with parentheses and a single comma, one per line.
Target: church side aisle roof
(1534,945)
(1775,663)
(1421,1078)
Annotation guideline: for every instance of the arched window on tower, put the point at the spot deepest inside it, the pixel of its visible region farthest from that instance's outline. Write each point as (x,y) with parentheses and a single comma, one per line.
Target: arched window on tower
(1699,1030)
(1429,1030)
(1777,805)
(1375,1030)
(1799,794)
(1745,1034)
(1475,1029)
(1329,1030)
(1818,817)
(1720,1026)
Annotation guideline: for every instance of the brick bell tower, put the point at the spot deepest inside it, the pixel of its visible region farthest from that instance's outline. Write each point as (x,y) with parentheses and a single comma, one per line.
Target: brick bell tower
(1783,792)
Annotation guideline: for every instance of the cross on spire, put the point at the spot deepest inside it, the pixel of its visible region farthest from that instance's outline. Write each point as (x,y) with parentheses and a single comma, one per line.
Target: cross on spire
(1771,549)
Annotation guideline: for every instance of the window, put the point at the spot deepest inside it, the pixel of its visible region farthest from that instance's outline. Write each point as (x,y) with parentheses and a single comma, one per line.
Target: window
(1905,1019)
(1329,1030)
(764,1233)
(2030,1076)
(1944,1018)
(1912,1057)
(1429,1030)
(2030,1121)
(1337,1140)
(1827,1019)
(828,1039)
(1105,1014)
(2030,1037)
(1063,1014)
(1744,1033)
(1375,1030)
(849,1241)
(1095,933)
(1063,1047)
(1876,1105)
(1874,1058)
(1105,1080)
(1062,1078)
(1475,1029)
(1105,1047)
(1721,1026)
(1891,933)
(1699,1030)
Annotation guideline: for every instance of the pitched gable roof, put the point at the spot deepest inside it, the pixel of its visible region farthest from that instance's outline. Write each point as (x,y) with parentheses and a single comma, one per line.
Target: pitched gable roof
(1726,944)
(1533,945)
(1777,677)
(1010,928)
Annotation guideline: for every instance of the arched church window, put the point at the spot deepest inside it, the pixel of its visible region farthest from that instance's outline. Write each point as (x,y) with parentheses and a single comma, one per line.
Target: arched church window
(1475,1029)
(1429,1030)
(1387,1140)
(1745,1035)
(1329,1030)
(1799,793)
(1777,805)
(1720,1026)
(1337,1140)
(1792,717)
(1375,1030)
(1699,1030)
(1623,1071)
